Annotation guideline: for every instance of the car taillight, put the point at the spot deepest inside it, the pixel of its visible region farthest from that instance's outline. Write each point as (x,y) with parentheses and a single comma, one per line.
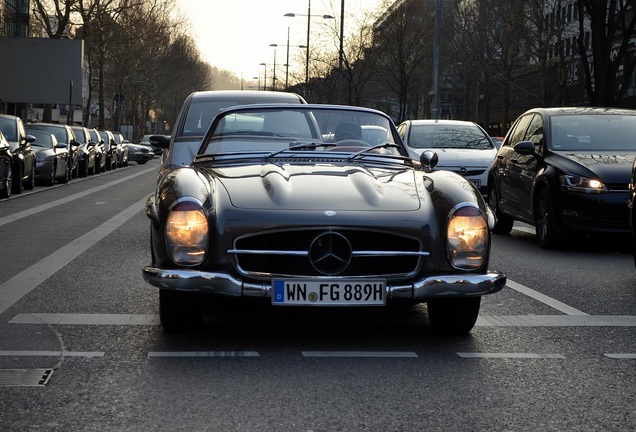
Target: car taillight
(187,233)
(467,238)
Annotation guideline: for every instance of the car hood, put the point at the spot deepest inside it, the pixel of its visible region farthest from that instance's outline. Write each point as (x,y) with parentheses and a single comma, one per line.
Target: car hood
(318,187)
(610,168)
(463,157)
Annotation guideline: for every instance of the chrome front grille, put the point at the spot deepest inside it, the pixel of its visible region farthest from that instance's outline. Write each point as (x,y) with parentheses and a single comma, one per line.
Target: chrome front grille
(335,252)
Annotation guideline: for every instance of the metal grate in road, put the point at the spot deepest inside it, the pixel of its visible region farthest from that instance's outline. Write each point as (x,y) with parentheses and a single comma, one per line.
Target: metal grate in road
(24,377)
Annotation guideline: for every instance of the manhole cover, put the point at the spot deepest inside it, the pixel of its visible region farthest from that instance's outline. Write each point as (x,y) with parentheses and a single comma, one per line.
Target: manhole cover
(24,377)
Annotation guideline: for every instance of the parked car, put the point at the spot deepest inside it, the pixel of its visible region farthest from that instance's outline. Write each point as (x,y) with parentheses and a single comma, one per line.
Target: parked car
(52,158)
(111,149)
(566,171)
(100,151)
(87,153)
(145,140)
(122,149)
(270,209)
(140,153)
(23,169)
(195,117)
(6,167)
(462,146)
(64,134)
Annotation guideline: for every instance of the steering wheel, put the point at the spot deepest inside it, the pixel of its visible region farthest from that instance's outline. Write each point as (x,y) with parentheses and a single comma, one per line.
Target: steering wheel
(352,143)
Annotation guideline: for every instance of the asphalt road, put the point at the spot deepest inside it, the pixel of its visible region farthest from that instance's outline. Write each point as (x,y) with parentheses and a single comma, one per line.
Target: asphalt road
(81,348)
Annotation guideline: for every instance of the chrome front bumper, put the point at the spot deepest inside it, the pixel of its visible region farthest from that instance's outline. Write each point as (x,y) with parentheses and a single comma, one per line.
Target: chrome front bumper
(467,285)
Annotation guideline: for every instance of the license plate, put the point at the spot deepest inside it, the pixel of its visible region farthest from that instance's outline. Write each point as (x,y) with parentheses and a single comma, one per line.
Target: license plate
(296,292)
(476,182)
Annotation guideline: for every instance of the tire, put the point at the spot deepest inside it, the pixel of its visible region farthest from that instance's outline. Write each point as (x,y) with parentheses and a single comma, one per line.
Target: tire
(51,180)
(503,223)
(8,183)
(29,184)
(453,316)
(16,187)
(547,237)
(67,174)
(179,311)
(141,162)
(83,169)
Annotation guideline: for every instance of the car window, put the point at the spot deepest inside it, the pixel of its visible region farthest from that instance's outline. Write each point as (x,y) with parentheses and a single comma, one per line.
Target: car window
(7,126)
(445,136)
(519,132)
(534,133)
(590,132)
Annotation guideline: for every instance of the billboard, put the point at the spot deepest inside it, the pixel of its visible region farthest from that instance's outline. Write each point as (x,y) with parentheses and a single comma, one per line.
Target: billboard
(41,70)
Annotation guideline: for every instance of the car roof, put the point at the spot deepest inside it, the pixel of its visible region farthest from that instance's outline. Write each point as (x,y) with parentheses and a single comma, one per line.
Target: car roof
(253,94)
(441,122)
(582,110)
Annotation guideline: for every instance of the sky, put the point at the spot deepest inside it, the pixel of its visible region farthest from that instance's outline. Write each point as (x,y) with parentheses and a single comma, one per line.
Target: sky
(235,35)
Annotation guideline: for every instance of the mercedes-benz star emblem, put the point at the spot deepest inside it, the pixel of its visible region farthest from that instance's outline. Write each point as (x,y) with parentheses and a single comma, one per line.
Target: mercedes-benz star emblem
(330,253)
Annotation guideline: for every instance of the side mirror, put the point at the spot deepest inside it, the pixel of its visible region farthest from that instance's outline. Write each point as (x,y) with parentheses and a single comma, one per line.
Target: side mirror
(525,148)
(162,141)
(29,139)
(429,160)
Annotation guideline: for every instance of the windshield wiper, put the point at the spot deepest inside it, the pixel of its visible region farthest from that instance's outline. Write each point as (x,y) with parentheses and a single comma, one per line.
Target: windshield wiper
(297,145)
(368,149)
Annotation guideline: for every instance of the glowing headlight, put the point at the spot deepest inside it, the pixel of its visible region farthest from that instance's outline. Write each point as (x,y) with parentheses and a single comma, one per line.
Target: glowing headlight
(467,238)
(575,183)
(187,233)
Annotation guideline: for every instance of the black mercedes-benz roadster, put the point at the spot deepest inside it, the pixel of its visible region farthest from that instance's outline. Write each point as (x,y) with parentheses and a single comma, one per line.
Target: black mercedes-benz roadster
(317,205)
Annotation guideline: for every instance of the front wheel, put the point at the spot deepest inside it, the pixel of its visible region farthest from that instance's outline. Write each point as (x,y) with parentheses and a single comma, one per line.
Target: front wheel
(547,237)
(29,184)
(453,315)
(179,311)
(503,223)
(16,186)
(7,184)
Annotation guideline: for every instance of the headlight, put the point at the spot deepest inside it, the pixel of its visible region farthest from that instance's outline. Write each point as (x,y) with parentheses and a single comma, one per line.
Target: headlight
(187,233)
(467,238)
(576,183)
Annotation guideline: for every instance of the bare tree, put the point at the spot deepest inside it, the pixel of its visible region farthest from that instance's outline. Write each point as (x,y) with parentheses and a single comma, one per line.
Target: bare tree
(611,24)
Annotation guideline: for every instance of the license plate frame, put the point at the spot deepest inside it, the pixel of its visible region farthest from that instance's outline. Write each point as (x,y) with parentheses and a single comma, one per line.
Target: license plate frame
(331,292)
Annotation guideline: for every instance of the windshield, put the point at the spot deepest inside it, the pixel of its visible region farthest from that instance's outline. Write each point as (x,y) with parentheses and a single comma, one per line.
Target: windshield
(447,136)
(42,139)
(59,132)
(593,132)
(308,127)
(202,111)
(8,128)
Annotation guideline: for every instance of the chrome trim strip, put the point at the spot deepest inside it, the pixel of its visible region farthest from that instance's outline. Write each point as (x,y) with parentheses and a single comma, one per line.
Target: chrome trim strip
(442,286)
(305,253)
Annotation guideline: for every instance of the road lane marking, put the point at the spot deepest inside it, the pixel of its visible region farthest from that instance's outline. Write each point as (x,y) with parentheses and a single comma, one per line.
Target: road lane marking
(621,356)
(557,321)
(511,355)
(359,354)
(52,353)
(482,320)
(562,307)
(24,282)
(170,354)
(37,209)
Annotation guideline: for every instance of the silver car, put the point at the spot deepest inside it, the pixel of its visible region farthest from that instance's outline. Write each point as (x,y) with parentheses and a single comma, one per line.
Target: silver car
(52,158)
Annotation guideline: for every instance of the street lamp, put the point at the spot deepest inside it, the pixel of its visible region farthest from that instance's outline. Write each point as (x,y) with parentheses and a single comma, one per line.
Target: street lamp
(287,59)
(309,16)
(265,73)
(274,78)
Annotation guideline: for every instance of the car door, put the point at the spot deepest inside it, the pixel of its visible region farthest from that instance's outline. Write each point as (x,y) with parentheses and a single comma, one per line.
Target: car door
(507,169)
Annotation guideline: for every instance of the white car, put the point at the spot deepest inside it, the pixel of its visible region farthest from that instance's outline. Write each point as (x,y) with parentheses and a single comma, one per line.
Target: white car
(462,146)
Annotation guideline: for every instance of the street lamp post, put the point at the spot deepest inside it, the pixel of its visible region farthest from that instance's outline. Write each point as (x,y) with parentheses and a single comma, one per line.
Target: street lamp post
(265,75)
(309,16)
(287,59)
(274,78)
